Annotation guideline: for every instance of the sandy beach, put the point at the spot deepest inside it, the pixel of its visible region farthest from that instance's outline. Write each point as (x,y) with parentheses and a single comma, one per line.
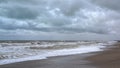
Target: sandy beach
(109,58)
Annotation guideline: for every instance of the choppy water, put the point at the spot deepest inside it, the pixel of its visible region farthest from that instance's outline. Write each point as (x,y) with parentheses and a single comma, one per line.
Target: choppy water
(17,52)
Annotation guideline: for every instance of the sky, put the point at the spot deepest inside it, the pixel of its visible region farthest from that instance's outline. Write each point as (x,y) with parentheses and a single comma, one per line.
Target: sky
(59,20)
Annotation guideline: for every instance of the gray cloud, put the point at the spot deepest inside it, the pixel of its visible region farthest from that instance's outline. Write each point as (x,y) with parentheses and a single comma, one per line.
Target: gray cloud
(58,16)
(113,5)
(20,13)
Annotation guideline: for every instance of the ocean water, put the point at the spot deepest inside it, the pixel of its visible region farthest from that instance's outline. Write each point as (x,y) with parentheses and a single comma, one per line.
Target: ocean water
(18,52)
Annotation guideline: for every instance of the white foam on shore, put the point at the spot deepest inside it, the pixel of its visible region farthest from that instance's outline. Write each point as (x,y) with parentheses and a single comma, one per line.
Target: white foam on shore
(62,52)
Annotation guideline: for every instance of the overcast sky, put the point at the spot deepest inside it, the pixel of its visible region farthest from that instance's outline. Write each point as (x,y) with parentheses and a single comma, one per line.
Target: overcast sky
(60,19)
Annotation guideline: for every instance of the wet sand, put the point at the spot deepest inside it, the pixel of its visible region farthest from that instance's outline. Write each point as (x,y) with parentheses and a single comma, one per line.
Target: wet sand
(107,59)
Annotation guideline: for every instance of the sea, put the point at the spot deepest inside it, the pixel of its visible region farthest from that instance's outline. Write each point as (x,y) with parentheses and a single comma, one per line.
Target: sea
(19,51)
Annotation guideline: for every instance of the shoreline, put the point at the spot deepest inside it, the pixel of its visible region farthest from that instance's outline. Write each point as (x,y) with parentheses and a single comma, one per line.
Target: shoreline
(81,49)
(88,60)
(69,61)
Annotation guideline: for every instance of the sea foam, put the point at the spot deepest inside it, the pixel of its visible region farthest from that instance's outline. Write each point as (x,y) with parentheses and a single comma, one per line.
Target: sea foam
(44,54)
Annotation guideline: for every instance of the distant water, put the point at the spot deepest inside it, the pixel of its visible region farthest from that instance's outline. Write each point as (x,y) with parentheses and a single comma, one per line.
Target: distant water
(18,52)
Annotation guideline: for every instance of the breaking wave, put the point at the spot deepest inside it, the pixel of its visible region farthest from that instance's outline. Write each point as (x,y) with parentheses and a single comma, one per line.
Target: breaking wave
(17,52)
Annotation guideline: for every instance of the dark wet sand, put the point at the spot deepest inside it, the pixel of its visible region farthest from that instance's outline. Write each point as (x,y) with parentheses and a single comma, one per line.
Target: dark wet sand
(106,59)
